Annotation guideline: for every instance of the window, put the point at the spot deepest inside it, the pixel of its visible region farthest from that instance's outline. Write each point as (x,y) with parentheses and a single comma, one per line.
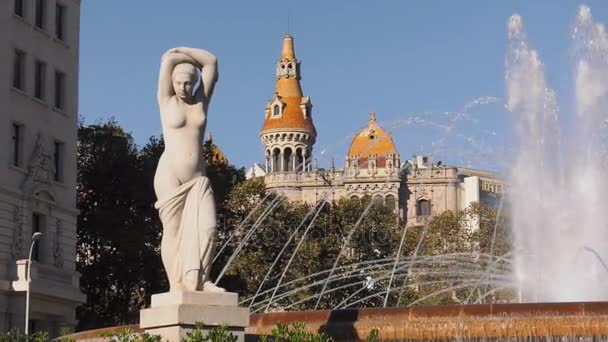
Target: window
(59,90)
(58,153)
(40,13)
(40,79)
(60,21)
(37,224)
(276,111)
(19,70)
(19,8)
(390,201)
(423,208)
(17,143)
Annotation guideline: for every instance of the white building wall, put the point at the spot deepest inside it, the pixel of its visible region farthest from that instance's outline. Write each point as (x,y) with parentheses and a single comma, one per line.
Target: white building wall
(471,195)
(471,191)
(30,187)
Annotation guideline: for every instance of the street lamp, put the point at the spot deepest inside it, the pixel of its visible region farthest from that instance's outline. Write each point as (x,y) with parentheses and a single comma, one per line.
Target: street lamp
(37,236)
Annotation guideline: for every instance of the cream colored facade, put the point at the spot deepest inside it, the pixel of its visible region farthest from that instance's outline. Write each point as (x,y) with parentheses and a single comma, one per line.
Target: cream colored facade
(38,117)
(418,189)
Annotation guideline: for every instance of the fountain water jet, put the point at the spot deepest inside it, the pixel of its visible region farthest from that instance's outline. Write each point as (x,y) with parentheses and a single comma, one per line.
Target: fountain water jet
(556,181)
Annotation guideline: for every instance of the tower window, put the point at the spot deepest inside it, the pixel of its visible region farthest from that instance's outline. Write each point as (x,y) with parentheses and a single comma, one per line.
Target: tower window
(59,90)
(17,144)
(40,13)
(390,201)
(423,208)
(276,110)
(19,8)
(40,79)
(19,70)
(60,21)
(37,226)
(58,153)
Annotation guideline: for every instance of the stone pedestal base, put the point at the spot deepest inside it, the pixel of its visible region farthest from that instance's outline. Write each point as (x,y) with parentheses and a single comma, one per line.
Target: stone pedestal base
(173,314)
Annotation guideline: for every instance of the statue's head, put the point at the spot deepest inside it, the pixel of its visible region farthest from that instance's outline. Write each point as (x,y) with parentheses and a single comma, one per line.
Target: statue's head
(185,76)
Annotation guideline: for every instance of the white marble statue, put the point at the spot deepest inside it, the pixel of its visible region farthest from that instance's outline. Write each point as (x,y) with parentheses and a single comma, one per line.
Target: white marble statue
(185,198)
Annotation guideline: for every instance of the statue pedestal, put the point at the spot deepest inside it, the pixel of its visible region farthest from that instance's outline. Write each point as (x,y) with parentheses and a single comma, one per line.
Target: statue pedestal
(173,314)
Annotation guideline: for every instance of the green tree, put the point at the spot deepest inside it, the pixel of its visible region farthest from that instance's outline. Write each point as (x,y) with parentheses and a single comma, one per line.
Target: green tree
(111,236)
(475,232)
(268,251)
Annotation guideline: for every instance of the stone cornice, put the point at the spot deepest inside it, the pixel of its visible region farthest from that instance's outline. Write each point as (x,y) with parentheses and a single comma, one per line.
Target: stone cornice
(18,195)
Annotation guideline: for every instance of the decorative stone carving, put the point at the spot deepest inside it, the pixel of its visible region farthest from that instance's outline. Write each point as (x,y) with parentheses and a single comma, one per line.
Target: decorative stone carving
(40,171)
(40,167)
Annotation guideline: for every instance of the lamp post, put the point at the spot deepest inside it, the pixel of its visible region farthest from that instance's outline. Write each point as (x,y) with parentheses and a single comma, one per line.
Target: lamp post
(37,236)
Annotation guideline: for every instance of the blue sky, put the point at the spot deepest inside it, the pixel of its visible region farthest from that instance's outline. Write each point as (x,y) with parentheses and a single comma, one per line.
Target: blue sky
(397,58)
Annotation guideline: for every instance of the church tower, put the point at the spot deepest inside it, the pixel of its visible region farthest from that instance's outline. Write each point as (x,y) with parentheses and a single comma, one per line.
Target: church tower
(288,133)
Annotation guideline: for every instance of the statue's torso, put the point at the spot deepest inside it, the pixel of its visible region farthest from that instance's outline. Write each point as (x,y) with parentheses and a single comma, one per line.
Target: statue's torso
(183,128)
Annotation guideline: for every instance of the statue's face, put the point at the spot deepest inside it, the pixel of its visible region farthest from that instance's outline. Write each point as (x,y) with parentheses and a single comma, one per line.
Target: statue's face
(182,84)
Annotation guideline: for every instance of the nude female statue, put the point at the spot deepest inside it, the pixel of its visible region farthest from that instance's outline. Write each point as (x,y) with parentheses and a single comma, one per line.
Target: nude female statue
(185,198)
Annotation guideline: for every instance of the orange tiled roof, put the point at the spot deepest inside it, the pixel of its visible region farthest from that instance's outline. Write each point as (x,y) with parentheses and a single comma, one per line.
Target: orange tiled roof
(292,118)
(372,140)
(289,92)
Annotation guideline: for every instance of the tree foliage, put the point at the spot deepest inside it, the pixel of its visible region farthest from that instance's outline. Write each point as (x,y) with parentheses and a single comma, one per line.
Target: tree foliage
(479,233)
(117,230)
(285,243)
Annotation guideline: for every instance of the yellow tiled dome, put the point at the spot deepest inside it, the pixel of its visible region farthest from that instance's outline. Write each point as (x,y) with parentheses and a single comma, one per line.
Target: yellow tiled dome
(374,141)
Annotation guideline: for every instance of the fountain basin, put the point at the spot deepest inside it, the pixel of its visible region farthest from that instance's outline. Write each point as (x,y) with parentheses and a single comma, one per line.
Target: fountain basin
(483,322)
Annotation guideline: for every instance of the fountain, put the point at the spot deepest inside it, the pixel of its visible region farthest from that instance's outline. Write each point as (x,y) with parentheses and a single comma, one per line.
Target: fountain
(559,233)
(559,217)
(550,287)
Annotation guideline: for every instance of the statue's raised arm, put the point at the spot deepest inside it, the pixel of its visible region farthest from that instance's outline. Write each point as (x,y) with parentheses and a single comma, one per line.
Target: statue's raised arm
(202,59)
(168,62)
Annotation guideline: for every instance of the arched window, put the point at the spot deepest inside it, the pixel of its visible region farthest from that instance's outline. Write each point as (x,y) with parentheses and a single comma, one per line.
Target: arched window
(276,160)
(287,160)
(276,110)
(423,208)
(299,160)
(390,202)
(378,199)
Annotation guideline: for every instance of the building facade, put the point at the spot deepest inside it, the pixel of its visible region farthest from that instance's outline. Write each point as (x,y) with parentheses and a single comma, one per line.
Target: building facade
(416,188)
(38,115)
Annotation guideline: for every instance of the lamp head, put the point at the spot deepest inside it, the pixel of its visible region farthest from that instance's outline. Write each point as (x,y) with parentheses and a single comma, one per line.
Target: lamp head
(37,236)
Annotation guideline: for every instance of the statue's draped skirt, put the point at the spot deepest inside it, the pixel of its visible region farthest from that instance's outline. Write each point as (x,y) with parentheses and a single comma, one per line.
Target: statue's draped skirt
(188,218)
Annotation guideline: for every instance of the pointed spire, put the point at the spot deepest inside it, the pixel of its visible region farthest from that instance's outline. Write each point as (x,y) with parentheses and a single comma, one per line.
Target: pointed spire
(288,108)
(210,137)
(288,49)
(288,71)
(372,117)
